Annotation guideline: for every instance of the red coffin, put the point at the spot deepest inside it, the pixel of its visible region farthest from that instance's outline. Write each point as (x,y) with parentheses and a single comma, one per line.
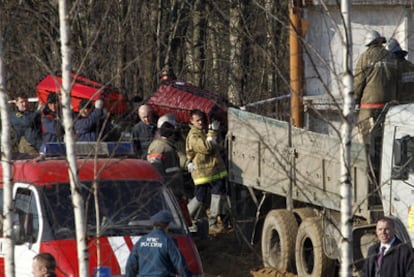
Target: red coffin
(83,88)
(180,98)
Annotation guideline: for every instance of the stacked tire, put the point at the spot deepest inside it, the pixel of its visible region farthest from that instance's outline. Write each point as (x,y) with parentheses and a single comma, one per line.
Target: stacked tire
(293,241)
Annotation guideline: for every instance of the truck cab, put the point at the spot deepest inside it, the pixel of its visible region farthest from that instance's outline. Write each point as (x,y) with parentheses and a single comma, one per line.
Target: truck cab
(397,168)
(129,192)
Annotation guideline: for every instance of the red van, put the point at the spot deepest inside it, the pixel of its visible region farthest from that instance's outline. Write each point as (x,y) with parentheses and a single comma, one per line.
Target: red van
(129,192)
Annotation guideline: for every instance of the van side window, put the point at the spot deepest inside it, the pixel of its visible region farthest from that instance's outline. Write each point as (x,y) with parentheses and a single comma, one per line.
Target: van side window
(25,204)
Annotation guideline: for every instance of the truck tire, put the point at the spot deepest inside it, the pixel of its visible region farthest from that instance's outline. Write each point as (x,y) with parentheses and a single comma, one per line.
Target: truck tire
(278,240)
(302,213)
(311,260)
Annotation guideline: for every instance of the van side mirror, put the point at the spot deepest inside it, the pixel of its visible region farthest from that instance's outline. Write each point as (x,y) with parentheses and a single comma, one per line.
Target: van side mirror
(22,227)
(403,153)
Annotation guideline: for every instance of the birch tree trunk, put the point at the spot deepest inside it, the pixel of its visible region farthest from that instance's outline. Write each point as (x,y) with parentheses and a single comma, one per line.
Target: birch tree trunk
(268,68)
(7,175)
(346,133)
(213,45)
(160,16)
(77,201)
(197,63)
(235,63)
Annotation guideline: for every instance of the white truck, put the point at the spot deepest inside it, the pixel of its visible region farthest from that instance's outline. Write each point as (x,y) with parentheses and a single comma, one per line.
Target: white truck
(286,181)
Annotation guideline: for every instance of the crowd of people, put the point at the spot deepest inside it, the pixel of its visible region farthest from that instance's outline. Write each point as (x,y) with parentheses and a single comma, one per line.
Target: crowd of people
(188,158)
(33,128)
(182,153)
(195,151)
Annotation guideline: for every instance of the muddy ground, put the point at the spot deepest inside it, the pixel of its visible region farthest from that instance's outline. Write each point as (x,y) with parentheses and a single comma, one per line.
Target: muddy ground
(223,255)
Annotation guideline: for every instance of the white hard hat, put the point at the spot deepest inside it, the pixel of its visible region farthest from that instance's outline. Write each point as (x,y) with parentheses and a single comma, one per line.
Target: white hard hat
(393,46)
(373,36)
(168,117)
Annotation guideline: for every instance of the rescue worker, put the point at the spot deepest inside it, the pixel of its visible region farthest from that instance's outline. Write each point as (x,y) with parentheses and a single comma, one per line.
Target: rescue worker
(26,124)
(164,156)
(207,168)
(87,124)
(157,254)
(52,128)
(144,131)
(376,77)
(406,72)
(44,265)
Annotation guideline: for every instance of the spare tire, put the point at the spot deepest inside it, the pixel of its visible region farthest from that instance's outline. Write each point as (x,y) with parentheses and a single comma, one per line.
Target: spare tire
(311,260)
(278,240)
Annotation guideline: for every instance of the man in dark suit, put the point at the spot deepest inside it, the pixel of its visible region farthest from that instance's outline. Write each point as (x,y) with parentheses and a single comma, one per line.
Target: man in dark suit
(390,256)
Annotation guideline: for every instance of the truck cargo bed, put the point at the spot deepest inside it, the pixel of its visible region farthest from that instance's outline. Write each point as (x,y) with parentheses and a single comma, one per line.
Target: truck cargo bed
(260,157)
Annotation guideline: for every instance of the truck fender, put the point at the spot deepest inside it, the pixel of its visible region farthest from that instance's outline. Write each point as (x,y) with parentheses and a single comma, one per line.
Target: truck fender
(302,213)
(401,232)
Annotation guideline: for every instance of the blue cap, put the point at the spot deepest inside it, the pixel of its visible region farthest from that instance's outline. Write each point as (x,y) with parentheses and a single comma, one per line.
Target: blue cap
(163,216)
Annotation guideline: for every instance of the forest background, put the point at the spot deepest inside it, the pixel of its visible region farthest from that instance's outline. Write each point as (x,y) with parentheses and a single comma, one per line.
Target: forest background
(236,48)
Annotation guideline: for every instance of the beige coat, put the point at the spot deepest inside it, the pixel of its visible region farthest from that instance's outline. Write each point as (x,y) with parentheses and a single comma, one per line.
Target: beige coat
(204,154)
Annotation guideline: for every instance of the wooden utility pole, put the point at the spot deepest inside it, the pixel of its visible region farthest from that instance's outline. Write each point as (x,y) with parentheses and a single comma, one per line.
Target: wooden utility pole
(296,63)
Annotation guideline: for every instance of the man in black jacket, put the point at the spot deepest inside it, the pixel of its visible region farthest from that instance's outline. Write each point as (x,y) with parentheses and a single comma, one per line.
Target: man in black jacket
(390,256)
(144,131)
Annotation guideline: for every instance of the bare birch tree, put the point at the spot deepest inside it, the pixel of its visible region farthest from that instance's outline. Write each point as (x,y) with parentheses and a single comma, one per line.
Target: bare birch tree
(77,200)
(346,135)
(7,174)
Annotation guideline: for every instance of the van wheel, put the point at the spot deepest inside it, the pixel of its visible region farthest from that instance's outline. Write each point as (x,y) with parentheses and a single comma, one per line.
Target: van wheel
(302,213)
(278,240)
(311,261)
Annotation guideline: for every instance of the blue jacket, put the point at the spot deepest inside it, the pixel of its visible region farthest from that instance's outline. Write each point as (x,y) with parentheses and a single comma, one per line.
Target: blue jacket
(86,128)
(52,128)
(156,254)
(27,124)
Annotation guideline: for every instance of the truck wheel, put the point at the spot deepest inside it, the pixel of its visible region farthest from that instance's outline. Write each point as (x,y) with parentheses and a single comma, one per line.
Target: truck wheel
(311,261)
(278,240)
(302,213)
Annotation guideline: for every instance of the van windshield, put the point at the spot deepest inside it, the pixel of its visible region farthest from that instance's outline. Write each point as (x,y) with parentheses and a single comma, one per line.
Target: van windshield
(124,208)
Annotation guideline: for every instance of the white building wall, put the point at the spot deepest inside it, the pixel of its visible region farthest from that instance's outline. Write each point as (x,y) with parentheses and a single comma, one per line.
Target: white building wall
(323,51)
